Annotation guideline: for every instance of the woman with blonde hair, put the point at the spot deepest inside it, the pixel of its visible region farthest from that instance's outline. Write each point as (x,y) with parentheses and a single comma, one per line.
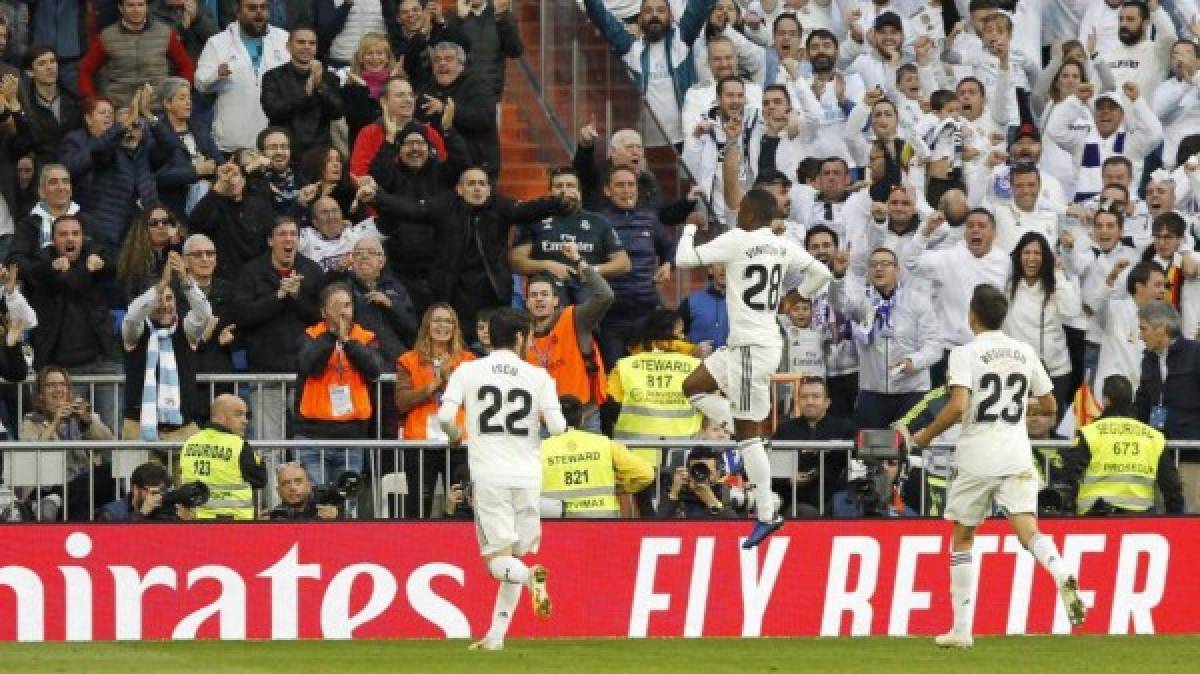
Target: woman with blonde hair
(421,376)
(372,65)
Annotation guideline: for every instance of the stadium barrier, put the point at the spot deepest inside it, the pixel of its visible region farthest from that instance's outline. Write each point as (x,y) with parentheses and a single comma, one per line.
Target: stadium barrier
(31,467)
(634,579)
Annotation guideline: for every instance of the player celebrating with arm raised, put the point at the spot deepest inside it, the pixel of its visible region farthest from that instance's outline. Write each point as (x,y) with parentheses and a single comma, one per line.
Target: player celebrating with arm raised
(756,261)
(990,381)
(504,397)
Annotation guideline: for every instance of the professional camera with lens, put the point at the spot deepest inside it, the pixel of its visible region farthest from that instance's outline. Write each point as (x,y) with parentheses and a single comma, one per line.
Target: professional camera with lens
(190,495)
(1056,500)
(345,487)
(868,481)
(700,472)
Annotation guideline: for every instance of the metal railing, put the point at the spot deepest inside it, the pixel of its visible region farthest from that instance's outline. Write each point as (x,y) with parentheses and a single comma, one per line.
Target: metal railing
(391,492)
(110,388)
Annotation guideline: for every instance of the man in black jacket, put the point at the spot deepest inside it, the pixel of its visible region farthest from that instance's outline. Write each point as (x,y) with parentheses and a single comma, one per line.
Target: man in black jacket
(235,219)
(302,96)
(51,108)
(277,299)
(66,290)
(1174,407)
(381,303)
(491,30)
(475,105)
(815,423)
(405,168)
(74,328)
(470,269)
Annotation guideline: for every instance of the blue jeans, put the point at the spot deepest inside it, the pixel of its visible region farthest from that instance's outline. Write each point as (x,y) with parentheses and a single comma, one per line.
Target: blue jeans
(325,465)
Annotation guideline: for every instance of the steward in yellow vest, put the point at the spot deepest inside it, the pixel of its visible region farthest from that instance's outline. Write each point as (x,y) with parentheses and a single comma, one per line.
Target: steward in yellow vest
(1121,460)
(218,457)
(586,471)
(649,386)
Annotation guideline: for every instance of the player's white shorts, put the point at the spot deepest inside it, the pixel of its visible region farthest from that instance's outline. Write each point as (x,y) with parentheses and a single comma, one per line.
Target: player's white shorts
(969,498)
(743,373)
(505,517)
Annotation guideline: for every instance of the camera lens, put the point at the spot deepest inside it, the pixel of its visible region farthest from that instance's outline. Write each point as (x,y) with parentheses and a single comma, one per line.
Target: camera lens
(699,471)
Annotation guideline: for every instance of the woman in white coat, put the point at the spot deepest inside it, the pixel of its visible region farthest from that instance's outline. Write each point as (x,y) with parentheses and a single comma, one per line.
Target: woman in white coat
(1040,297)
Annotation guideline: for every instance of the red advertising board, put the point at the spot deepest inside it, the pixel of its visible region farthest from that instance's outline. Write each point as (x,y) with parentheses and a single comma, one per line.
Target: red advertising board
(635,579)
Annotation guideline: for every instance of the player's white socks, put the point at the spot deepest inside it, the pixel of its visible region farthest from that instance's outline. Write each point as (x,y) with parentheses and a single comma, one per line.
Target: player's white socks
(506,602)
(714,407)
(758,470)
(509,570)
(962,580)
(1046,552)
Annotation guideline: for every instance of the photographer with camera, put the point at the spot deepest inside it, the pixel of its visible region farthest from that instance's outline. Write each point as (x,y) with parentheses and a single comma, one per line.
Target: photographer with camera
(696,490)
(151,500)
(297,498)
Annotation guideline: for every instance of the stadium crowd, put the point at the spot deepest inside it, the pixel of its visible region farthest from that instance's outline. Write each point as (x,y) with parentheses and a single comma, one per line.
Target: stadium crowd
(307,187)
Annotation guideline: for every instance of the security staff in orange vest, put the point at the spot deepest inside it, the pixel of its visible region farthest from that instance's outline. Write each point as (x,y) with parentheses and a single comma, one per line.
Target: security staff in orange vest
(563,342)
(339,363)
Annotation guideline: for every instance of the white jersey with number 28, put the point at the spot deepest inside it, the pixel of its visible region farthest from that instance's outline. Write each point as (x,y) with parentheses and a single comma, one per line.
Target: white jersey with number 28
(505,398)
(755,265)
(1002,373)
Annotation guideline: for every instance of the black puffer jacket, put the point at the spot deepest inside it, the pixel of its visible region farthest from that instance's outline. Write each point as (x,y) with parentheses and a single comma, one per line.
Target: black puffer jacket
(457,225)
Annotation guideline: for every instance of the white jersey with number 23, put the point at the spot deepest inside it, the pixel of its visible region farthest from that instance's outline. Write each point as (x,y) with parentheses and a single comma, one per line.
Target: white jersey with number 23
(1001,373)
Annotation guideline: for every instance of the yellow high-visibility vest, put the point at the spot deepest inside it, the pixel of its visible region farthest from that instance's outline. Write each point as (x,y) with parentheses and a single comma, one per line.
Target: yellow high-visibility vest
(1124,464)
(213,457)
(577,469)
(653,405)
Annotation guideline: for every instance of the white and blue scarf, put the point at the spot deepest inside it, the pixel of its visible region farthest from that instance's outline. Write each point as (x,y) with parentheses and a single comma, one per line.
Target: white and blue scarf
(160,388)
(878,322)
(1089,179)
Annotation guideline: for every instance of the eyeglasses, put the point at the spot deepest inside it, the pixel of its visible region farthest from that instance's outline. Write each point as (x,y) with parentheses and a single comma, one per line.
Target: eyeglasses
(160,222)
(882,264)
(55,384)
(366,254)
(202,253)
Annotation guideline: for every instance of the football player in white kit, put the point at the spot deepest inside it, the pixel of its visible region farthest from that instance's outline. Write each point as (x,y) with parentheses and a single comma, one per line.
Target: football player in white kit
(756,261)
(990,380)
(504,397)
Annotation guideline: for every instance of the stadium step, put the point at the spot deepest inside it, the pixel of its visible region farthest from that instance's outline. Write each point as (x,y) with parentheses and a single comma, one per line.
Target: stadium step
(524,148)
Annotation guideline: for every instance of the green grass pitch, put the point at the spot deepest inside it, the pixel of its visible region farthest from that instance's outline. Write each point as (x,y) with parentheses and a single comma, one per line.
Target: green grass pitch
(1011,655)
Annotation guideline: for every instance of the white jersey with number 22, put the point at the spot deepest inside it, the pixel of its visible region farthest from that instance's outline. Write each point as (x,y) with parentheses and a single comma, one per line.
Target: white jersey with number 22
(505,398)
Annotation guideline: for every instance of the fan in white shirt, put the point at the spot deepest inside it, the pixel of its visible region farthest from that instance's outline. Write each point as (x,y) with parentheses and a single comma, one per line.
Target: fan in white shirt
(990,382)
(330,241)
(505,398)
(955,272)
(1024,212)
(1041,297)
(1121,344)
